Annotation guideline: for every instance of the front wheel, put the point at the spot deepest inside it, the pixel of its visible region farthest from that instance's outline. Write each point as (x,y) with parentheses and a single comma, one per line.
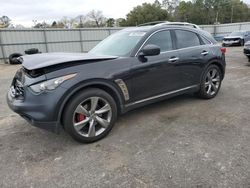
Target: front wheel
(90,115)
(211,82)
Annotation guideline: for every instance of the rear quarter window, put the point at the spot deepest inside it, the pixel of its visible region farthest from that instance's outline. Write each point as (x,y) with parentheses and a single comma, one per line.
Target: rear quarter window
(205,41)
(185,39)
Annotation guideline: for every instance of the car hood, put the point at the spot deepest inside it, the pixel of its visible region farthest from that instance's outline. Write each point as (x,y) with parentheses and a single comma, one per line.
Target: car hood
(42,60)
(233,37)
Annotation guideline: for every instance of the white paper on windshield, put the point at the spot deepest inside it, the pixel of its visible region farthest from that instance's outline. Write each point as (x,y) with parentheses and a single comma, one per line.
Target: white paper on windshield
(137,34)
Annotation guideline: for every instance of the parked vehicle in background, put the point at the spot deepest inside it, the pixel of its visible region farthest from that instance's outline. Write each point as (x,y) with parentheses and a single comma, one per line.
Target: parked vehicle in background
(84,93)
(246,50)
(236,38)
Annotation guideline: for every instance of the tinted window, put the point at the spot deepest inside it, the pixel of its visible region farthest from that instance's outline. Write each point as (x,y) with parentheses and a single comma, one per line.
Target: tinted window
(118,44)
(161,39)
(186,39)
(205,41)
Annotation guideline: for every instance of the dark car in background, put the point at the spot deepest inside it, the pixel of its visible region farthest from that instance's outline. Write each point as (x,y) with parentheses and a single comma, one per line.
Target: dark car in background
(84,93)
(236,38)
(246,50)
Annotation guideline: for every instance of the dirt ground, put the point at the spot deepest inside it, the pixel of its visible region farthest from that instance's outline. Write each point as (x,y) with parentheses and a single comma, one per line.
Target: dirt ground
(181,142)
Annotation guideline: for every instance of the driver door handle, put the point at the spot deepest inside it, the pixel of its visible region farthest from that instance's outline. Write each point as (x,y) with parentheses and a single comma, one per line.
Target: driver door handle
(173,59)
(204,52)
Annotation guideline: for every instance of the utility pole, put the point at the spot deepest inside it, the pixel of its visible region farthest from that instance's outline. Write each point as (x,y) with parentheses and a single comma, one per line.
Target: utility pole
(217,13)
(216,19)
(232,13)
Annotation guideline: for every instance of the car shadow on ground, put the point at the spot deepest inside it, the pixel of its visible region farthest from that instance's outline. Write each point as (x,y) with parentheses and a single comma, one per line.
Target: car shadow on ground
(159,106)
(26,134)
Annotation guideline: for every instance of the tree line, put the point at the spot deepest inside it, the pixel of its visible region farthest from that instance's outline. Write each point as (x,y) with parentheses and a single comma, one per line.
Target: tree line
(194,11)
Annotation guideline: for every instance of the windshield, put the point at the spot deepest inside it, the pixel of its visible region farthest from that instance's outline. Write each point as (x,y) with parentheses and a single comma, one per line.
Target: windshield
(118,44)
(237,33)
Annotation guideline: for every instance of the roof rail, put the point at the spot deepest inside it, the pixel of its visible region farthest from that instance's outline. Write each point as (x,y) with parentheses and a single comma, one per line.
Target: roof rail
(161,23)
(152,23)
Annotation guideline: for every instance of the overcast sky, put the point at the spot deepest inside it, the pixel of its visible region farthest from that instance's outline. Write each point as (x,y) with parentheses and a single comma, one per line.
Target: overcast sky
(24,11)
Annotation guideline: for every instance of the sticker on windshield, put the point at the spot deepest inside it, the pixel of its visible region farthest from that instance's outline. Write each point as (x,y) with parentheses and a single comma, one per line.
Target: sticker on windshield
(137,34)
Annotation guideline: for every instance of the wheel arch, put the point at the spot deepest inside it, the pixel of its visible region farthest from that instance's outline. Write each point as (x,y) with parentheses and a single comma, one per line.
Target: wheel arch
(220,67)
(105,85)
(217,63)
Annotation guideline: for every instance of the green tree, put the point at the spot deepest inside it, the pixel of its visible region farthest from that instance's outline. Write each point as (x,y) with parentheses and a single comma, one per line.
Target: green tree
(170,5)
(54,24)
(110,22)
(121,22)
(199,15)
(146,13)
(183,12)
(212,11)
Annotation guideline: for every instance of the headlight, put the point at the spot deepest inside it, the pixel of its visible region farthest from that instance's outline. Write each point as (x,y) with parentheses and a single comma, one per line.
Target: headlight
(51,84)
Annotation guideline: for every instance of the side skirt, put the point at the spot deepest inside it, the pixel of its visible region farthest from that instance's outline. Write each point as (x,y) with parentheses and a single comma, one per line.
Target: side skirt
(160,97)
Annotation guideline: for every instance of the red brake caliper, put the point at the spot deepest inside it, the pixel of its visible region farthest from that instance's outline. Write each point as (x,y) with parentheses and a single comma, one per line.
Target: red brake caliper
(80,117)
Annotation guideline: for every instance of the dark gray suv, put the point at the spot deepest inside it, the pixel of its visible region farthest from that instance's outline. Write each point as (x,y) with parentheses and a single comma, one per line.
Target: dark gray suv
(84,93)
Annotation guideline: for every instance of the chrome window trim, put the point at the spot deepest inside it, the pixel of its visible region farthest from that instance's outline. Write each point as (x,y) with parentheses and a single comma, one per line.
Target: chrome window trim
(149,38)
(161,95)
(168,29)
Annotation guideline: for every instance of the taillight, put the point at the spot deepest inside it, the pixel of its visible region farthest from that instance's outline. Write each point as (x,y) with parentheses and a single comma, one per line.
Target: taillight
(223,50)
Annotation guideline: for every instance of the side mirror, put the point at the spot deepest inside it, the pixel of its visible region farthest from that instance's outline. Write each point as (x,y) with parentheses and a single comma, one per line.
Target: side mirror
(150,50)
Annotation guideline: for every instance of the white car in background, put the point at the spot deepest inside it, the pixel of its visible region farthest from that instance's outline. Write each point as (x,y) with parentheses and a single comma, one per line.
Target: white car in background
(236,38)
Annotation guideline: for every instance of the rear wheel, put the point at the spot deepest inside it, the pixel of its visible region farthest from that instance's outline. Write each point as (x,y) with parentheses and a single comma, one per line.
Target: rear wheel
(90,115)
(211,82)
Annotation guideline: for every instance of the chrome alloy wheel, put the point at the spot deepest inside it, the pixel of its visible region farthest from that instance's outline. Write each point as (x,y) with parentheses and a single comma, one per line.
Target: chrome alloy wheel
(92,117)
(212,83)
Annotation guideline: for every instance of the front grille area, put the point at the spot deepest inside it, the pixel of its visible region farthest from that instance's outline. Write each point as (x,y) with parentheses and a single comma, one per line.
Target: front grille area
(233,39)
(17,90)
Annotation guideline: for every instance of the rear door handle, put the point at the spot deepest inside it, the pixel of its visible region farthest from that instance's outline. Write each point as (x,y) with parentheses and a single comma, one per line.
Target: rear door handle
(173,59)
(204,53)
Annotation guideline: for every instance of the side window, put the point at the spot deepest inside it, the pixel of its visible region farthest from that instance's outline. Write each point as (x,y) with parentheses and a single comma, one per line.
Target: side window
(205,41)
(186,39)
(161,39)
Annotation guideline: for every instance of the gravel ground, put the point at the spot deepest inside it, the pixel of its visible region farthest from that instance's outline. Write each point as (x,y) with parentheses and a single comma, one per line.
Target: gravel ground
(181,142)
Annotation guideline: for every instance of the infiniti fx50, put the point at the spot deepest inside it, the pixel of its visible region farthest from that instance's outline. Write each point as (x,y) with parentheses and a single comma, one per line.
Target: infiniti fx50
(84,93)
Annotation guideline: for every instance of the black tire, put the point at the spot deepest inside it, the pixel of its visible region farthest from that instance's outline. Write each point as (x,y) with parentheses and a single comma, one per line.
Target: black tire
(31,51)
(204,88)
(13,58)
(70,112)
(242,42)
